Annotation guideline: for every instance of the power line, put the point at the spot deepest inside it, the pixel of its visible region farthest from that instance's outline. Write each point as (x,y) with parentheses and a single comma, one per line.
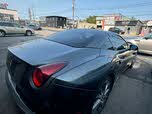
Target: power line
(73,10)
(133,12)
(120,7)
(60,11)
(44,13)
(147,14)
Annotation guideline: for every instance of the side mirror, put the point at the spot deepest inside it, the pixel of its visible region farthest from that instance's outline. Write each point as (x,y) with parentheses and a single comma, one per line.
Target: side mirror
(133,47)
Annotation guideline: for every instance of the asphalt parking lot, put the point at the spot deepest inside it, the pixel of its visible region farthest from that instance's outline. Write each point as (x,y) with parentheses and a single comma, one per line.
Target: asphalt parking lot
(131,94)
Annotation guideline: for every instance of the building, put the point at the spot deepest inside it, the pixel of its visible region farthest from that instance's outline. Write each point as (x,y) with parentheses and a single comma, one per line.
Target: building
(86,25)
(108,20)
(8,14)
(135,26)
(53,21)
(147,27)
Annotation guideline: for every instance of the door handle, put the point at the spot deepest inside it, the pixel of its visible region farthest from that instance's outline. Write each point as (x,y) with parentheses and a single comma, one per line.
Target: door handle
(137,40)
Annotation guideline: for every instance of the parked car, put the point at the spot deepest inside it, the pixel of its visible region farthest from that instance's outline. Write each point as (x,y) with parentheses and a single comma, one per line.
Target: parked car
(144,44)
(70,72)
(7,28)
(116,30)
(34,26)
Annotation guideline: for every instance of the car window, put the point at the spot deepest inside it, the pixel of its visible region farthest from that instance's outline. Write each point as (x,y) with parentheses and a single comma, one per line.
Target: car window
(8,24)
(16,25)
(111,29)
(31,25)
(1,24)
(118,42)
(101,41)
(5,24)
(117,29)
(107,44)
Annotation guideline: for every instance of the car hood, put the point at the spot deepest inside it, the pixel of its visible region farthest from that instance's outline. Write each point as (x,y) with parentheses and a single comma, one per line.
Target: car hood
(40,51)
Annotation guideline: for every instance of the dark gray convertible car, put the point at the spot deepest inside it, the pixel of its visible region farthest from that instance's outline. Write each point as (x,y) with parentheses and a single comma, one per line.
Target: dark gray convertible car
(71,72)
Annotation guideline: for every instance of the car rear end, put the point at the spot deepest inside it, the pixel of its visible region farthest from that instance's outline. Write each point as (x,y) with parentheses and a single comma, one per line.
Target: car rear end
(45,75)
(31,76)
(33,96)
(12,61)
(18,78)
(29,95)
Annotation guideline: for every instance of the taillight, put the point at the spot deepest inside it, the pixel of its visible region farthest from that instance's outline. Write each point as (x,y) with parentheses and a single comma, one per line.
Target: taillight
(41,74)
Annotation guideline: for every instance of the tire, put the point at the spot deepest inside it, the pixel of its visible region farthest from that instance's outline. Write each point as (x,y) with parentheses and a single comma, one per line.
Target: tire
(28,33)
(102,95)
(2,33)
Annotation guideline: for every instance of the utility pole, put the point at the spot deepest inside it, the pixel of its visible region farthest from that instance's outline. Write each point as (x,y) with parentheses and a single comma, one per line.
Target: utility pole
(73,10)
(30,14)
(33,14)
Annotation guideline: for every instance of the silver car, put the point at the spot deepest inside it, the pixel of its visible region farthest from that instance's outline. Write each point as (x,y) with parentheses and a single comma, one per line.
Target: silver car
(34,26)
(7,28)
(144,43)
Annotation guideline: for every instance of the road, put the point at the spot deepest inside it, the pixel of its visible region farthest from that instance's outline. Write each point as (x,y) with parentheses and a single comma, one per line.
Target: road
(131,93)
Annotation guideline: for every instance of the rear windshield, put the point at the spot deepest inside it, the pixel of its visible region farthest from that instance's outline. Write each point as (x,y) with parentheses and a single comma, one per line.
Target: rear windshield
(79,38)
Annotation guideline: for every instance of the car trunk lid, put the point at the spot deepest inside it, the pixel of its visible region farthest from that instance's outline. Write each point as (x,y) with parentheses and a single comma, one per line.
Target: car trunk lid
(39,51)
(22,59)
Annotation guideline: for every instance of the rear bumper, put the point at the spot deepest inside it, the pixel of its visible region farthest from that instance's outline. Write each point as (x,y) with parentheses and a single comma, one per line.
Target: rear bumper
(16,96)
(61,99)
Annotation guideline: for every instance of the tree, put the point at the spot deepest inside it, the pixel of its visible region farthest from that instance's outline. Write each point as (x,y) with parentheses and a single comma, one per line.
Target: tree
(133,18)
(91,19)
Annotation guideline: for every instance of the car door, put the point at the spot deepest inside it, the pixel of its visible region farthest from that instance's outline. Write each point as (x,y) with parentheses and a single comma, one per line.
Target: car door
(19,29)
(145,44)
(9,27)
(32,27)
(123,54)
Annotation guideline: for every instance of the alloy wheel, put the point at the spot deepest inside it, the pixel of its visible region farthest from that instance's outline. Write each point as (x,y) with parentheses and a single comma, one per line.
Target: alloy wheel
(101,98)
(29,33)
(2,34)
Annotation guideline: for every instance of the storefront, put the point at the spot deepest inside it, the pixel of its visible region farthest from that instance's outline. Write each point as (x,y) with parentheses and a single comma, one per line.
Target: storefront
(134,26)
(8,14)
(108,20)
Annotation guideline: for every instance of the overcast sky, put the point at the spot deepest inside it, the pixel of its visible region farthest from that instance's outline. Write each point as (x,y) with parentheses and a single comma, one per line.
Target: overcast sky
(140,9)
